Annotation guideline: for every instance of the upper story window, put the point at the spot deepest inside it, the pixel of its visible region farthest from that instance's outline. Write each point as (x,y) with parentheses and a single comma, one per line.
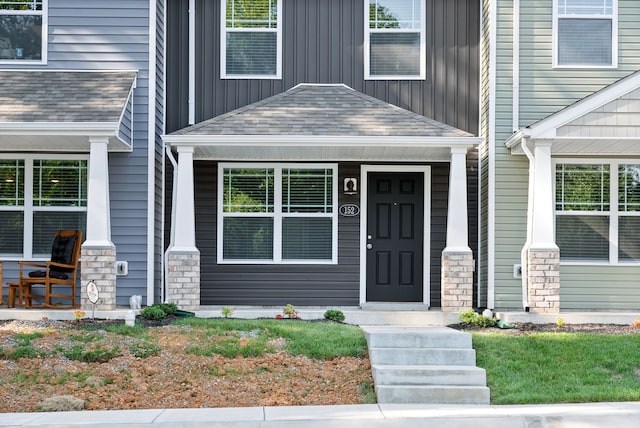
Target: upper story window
(23,29)
(251,39)
(585,33)
(598,211)
(394,39)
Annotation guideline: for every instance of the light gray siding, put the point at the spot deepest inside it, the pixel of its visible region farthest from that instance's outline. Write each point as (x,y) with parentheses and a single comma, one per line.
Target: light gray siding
(114,35)
(599,287)
(544,90)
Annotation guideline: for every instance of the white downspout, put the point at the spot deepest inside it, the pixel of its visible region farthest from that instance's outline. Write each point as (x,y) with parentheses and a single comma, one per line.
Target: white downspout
(172,234)
(524,259)
(151,155)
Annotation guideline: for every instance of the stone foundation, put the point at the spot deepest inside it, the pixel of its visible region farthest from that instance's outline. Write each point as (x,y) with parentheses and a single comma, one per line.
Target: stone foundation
(98,264)
(457,281)
(543,280)
(183,279)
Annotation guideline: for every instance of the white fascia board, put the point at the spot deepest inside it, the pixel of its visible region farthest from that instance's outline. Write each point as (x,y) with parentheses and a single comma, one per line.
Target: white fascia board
(516,138)
(320,140)
(547,128)
(60,128)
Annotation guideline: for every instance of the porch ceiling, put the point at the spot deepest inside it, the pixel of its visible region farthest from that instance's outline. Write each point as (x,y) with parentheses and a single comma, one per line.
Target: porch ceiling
(61,110)
(321,122)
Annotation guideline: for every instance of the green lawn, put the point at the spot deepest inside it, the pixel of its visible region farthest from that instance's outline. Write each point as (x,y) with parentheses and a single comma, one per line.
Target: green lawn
(320,340)
(560,367)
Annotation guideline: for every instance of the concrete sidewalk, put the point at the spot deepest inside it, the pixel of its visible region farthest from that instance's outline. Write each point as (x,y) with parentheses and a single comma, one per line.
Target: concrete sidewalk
(591,415)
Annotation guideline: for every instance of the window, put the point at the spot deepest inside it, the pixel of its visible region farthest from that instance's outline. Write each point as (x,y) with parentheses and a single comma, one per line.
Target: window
(394,39)
(37,198)
(585,33)
(277,213)
(598,211)
(23,29)
(251,40)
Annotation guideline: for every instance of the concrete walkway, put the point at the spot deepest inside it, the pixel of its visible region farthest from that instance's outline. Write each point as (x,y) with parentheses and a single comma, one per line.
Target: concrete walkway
(618,415)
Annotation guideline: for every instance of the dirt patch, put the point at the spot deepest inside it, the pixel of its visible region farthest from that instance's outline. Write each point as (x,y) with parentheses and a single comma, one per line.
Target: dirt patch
(172,378)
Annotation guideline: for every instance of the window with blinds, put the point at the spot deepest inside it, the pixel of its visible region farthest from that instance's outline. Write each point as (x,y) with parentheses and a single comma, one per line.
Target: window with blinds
(251,39)
(585,32)
(395,39)
(277,214)
(37,198)
(589,225)
(22,23)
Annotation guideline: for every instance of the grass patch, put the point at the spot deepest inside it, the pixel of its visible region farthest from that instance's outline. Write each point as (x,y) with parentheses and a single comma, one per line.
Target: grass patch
(559,367)
(319,340)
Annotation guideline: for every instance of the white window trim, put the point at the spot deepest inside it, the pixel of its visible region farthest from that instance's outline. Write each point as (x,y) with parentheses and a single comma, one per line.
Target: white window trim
(45,34)
(423,47)
(614,37)
(223,46)
(28,208)
(277,214)
(613,213)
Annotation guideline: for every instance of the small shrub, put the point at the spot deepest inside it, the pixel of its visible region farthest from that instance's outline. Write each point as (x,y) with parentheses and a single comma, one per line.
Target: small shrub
(227,311)
(560,322)
(636,323)
(290,311)
(472,318)
(168,308)
(334,315)
(153,312)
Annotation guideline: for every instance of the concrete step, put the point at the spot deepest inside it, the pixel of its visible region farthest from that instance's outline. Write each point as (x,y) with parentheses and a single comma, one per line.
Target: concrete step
(427,356)
(428,375)
(432,394)
(416,337)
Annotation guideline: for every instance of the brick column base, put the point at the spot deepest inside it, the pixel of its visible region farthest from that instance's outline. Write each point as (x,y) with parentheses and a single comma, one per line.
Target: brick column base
(543,280)
(457,281)
(98,264)
(183,279)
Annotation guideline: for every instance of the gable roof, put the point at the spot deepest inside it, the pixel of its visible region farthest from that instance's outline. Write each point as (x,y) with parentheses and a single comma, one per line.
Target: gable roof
(299,121)
(606,122)
(60,110)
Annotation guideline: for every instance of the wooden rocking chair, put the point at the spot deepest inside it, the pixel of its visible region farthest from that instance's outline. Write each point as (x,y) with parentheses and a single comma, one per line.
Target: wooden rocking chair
(57,275)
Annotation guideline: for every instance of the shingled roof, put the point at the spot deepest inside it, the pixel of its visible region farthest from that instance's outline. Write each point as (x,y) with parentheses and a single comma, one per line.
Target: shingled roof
(37,105)
(46,96)
(309,109)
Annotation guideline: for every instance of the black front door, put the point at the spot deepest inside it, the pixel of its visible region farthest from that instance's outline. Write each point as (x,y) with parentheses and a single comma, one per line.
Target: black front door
(395,232)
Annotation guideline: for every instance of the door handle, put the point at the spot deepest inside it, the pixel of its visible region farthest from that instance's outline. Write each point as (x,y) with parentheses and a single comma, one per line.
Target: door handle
(369,246)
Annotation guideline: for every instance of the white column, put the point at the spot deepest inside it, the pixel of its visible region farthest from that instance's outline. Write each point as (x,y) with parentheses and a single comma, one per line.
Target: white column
(542,227)
(184,229)
(98,207)
(457,226)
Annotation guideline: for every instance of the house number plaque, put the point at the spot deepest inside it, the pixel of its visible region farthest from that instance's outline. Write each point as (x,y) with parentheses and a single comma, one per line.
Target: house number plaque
(349,210)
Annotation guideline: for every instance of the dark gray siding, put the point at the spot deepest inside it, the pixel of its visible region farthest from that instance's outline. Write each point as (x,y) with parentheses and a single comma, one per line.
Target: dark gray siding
(301,284)
(322,43)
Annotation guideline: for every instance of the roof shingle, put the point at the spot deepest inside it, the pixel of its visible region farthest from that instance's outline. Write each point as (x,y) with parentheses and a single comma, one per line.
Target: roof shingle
(63,96)
(312,109)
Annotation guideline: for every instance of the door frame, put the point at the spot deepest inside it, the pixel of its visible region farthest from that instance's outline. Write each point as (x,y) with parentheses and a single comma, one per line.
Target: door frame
(426,240)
